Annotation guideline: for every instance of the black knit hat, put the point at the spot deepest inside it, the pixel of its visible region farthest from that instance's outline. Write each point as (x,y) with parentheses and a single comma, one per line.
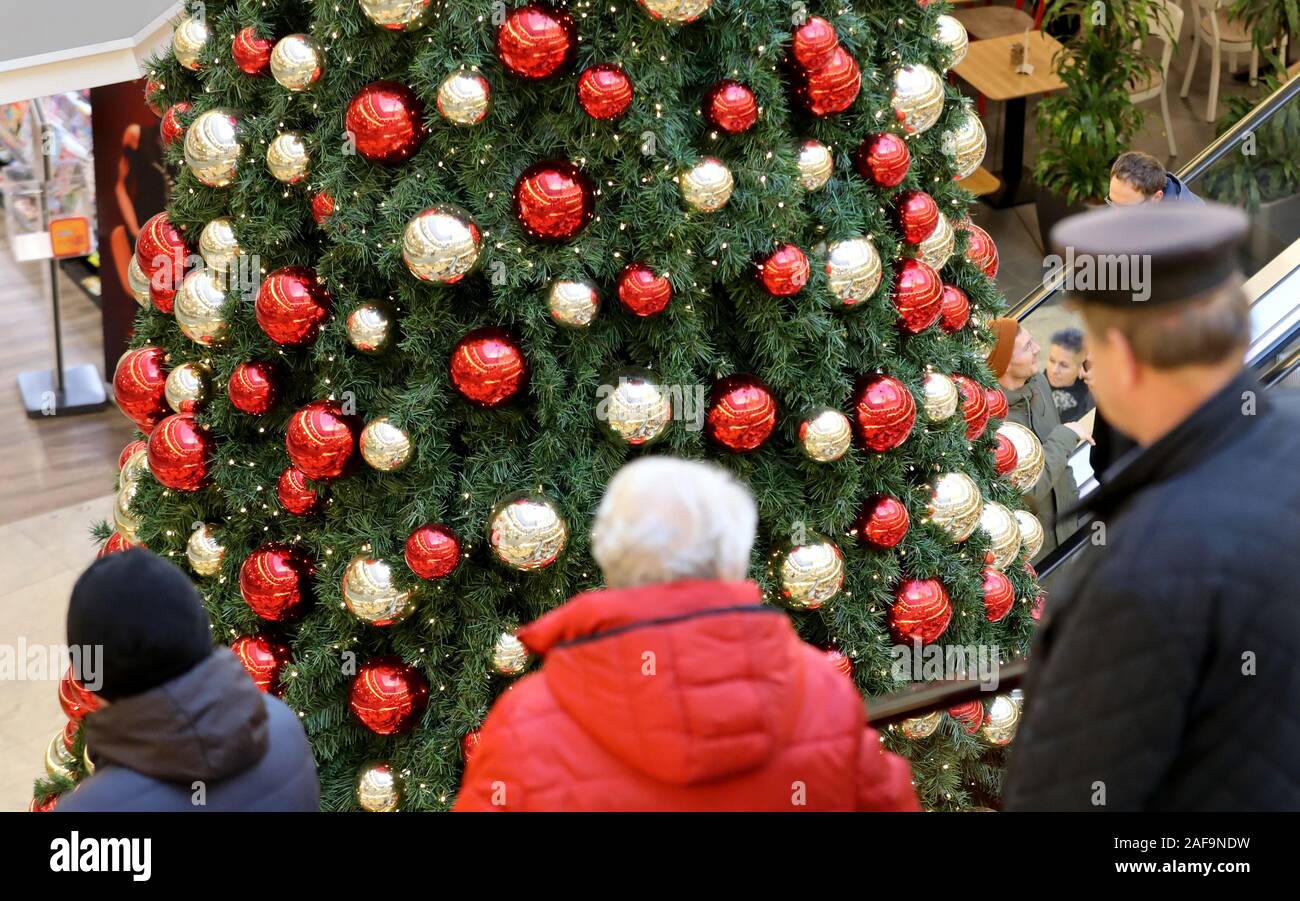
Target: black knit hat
(146,615)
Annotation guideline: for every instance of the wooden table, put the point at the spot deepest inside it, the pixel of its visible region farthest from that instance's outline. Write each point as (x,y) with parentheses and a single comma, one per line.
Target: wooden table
(987,68)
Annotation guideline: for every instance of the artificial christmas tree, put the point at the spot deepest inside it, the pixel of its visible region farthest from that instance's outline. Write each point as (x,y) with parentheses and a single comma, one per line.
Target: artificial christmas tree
(496,212)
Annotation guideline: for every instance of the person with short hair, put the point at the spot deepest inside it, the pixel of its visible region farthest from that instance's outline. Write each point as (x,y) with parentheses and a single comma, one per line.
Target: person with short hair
(1166,671)
(675,688)
(1064,373)
(182,726)
(1137,178)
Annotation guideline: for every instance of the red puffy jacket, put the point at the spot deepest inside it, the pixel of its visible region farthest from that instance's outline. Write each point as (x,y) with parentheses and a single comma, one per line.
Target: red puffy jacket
(684,696)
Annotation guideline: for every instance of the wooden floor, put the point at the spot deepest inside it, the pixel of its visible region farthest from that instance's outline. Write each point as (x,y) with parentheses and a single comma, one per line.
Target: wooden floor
(50,462)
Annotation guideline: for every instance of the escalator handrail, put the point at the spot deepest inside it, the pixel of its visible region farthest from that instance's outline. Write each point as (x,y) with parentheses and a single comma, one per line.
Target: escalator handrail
(1195,168)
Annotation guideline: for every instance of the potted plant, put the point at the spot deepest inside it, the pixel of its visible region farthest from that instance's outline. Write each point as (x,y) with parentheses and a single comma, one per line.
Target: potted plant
(1269,19)
(1084,127)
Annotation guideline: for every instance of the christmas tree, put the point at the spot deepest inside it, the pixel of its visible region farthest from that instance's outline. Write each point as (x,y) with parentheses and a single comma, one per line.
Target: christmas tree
(451,265)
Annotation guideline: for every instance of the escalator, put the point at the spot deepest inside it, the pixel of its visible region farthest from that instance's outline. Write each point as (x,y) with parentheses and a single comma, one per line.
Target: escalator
(1227,171)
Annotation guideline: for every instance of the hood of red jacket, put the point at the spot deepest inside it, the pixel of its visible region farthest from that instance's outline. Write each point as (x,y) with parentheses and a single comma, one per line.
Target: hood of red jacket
(686,681)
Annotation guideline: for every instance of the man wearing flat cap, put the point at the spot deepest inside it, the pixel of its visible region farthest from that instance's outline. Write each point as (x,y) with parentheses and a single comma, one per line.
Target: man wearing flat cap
(1166,673)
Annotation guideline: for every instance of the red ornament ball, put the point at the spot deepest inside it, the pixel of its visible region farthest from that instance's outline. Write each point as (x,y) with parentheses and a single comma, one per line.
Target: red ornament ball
(554,200)
(814,43)
(974,405)
(785,271)
(115,545)
(883,521)
(295,495)
(140,386)
(163,299)
(980,250)
(130,451)
(970,715)
(151,96)
(321,440)
(954,310)
(252,54)
(263,658)
(917,216)
(1005,456)
(605,91)
(75,699)
(832,88)
(998,407)
(921,611)
(180,452)
(1040,605)
(918,295)
(161,251)
(171,128)
(840,661)
(275,582)
(741,413)
(432,551)
(642,291)
(884,412)
(883,159)
(999,595)
(388,695)
(254,387)
(292,305)
(322,206)
(386,120)
(469,744)
(731,107)
(488,367)
(536,41)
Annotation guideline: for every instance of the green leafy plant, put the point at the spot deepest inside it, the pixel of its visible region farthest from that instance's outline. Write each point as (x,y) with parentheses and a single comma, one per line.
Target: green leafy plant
(1263,169)
(1084,127)
(1268,19)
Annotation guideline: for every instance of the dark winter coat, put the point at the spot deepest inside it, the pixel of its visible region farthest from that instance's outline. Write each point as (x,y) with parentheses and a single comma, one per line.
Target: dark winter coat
(209,725)
(687,696)
(1176,190)
(1032,406)
(1167,669)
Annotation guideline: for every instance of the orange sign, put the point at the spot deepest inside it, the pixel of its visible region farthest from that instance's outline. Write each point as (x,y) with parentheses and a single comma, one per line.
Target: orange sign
(70,236)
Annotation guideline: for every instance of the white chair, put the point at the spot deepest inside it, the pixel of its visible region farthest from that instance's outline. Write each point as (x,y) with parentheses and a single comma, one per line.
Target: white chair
(1212,25)
(1166,23)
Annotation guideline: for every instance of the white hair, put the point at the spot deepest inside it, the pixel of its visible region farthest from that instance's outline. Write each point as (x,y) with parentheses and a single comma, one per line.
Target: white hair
(664,520)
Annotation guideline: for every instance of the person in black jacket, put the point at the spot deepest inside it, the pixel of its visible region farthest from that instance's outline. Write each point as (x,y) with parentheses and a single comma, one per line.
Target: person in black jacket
(183,726)
(1166,675)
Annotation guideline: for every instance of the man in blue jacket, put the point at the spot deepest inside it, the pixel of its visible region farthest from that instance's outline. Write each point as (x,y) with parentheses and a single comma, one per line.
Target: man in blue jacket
(183,726)
(1138,178)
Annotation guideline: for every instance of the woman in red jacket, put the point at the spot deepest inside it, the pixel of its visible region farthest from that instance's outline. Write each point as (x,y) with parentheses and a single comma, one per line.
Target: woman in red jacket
(677,688)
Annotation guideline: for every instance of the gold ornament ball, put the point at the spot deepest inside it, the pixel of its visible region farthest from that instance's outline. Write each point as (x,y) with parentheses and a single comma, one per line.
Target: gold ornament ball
(816,164)
(526,532)
(707,186)
(218,245)
(853,270)
(124,520)
(634,409)
(372,327)
(952,34)
(371,595)
(956,504)
(941,397)
(574,304)
(199,305)
(936,249)
(999,524)
(187,387)
(464,98)
(921,726)
(378,788)
(212,147)
(509,656)
(188,41)
(297,62)
(59,761)
(138,281)
(1001,720)
(825,435)
(676,11)
(918,97)
(1029,456)
(809,574)
(441,245)
(135,468)
(204,550)
(966,143)
(396,15)
(1031,533)
(86,761)
(287,158)
(385,446)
